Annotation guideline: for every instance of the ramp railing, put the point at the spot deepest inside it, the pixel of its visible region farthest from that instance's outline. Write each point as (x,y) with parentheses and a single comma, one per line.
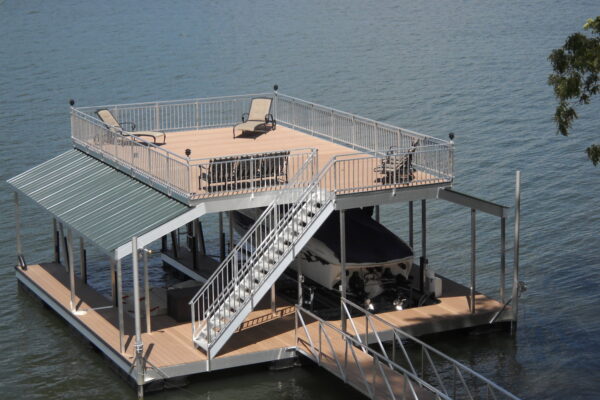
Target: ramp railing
(447,375)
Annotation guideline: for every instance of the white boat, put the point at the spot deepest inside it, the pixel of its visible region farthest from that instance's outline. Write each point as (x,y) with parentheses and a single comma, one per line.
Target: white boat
(375,258)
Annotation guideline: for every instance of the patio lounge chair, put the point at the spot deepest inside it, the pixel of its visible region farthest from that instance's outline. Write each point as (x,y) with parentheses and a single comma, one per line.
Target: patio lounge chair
(111,123)
(259,119)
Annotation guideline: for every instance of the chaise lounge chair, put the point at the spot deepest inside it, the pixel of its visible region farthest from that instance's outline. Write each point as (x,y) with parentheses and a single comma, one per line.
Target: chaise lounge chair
(259,119)
(111,123)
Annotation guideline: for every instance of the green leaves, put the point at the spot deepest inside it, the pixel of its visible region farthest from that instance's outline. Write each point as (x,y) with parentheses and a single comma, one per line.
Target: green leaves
(575,79)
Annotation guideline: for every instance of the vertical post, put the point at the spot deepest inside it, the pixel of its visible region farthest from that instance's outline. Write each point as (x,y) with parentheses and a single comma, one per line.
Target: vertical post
(273,299)
(201,238)
(174,242)
(377,213)
(113,282)
(61,233)
(139,346)
(423,242)
(163,244)
(82,261)
(193,244)
(197,247)
(300,279)
(515,288)
(55,238)
(120,304)
(502,258)
(343,265)
(147,292)
(18,227)
(71,269)
(221,237)
(410,224)
(473,258)
(229,215)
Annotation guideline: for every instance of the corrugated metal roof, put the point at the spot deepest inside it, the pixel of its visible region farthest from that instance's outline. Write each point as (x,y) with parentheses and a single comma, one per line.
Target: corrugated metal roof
(106,206)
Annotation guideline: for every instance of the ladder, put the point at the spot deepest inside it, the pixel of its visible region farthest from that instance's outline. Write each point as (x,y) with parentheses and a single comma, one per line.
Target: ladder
(260,257)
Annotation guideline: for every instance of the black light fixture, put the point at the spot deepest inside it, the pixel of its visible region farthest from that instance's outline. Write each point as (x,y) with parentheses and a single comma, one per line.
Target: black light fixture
(451,135)
(188,152)
(71,102)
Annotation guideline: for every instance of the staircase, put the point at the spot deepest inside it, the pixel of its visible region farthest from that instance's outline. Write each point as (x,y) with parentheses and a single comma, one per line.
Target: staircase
(259,259)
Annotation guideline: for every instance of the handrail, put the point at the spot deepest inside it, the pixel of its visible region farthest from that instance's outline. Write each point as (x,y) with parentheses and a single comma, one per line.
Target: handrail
(349,340)
(178,175)
(426,349)
(258,241)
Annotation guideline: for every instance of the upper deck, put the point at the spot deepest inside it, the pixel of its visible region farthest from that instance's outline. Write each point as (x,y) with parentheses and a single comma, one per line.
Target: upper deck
(202,159)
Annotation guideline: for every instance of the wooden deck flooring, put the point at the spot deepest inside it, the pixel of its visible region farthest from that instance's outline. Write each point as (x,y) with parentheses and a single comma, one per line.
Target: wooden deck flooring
(170,342)
(352,174)
(169,345)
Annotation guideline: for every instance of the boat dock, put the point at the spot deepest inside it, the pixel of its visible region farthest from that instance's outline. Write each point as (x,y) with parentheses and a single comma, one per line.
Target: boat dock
(120,192)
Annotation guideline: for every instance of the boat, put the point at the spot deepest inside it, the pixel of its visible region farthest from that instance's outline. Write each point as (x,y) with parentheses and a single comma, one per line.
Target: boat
(378,262)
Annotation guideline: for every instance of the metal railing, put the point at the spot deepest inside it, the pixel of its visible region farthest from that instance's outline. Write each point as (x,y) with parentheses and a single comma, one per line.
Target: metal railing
(352,130)
(445,374)
(276,223)
(367,370)
(191,179)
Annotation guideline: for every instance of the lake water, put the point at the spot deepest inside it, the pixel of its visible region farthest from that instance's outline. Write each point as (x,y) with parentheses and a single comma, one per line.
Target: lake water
(475,68)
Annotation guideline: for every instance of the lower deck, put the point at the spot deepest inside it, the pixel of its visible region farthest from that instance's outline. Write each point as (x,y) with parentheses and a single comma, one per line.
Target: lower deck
(264,336)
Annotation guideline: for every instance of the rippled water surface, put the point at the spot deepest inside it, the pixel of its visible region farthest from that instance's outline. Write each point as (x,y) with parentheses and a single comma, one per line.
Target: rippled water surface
(478,69)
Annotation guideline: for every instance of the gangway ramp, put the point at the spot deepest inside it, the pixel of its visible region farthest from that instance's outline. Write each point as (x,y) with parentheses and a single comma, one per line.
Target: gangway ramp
(411,369)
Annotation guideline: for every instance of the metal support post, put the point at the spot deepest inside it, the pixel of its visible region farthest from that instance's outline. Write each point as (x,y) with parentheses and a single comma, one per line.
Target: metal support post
(473,258)
(63,244)
(193,244)
(229,216)
(163,244)
(82,261)
(71,269)
(55,238)
(515,288)
(174,242)
(377,213)
(502,258)
(197,247)
(201,238)
(221,237)
(410,224)
(139,346)
(273,299)
(113,282)
(147,292)
(18,227)
(343,265)
(300,279)
(423,243)
(120,305)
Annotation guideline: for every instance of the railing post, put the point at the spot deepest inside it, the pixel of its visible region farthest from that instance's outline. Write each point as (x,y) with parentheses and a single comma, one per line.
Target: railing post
(71,269)
(120,304)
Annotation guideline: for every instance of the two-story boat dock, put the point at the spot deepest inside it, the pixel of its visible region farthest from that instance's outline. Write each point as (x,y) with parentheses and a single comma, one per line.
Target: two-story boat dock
(159,168)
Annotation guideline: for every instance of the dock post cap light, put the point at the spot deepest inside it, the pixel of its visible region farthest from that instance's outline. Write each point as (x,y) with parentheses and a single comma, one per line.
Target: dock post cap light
(451,135)
(275,87)
(71,102)
(188,152)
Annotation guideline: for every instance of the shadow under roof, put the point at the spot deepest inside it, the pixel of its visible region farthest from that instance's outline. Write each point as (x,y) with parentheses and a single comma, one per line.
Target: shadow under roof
(102,204)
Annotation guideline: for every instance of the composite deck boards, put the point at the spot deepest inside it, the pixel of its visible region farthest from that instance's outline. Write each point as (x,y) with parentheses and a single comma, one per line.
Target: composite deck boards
(170,343)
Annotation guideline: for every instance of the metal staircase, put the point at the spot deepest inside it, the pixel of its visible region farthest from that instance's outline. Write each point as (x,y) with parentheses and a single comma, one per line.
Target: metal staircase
(260,258)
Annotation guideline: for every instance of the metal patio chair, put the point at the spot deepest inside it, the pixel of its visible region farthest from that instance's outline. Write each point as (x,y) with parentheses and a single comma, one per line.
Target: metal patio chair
(114,125)
(259,119)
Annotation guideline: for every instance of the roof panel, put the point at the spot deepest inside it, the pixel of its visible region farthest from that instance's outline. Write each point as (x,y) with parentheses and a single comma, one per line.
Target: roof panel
(106,206)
